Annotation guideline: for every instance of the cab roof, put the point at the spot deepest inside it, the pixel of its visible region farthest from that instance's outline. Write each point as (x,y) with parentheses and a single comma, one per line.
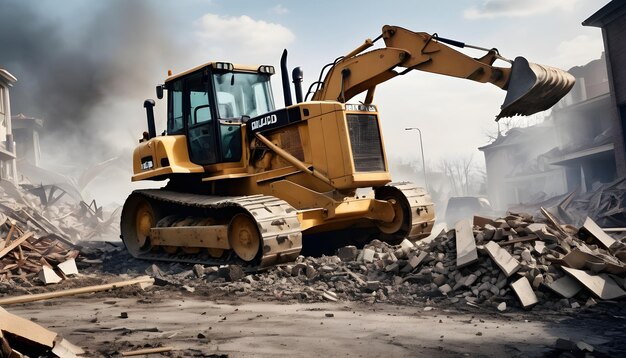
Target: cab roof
(235,67)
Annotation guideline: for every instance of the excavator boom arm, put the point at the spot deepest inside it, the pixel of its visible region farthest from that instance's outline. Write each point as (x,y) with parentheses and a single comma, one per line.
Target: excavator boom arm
(531,87)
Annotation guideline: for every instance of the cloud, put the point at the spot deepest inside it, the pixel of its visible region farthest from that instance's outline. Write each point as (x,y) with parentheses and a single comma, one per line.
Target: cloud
(242,39)
(280,10)
(577,51)
(491,9)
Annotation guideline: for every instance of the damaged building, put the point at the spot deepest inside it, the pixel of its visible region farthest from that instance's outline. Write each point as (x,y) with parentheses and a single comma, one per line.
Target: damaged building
(7,146)
(581,143)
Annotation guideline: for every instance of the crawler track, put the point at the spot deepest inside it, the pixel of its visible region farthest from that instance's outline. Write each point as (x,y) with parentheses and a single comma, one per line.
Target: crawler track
(277,222)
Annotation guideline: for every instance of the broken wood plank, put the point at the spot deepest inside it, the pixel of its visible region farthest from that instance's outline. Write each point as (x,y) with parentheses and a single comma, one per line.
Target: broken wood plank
(26,329)
(601,285)
(142,281)
(8,238)
(482,221)
(553,221)
(590,231)
(465,243)
(15,243)
(147,351)
(566,286)
(614,229)
(521,239)
(507,263)
(524,292)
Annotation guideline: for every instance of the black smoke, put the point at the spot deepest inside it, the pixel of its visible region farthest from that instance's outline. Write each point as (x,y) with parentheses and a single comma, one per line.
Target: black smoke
(65,72)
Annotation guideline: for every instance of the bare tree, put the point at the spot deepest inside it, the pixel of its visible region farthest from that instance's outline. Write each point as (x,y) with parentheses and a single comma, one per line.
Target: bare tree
(461,175)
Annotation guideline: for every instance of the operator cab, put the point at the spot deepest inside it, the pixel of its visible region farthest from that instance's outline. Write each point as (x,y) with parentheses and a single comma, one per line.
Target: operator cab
(209,103)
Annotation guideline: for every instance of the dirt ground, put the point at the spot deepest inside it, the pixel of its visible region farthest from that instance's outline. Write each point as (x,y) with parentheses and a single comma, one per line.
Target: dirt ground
(245,327)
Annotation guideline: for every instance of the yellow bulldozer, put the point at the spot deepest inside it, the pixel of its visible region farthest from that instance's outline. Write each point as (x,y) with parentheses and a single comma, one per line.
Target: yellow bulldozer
(246,181)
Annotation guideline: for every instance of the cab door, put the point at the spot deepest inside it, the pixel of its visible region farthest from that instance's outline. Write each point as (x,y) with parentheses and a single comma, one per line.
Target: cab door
(200,120)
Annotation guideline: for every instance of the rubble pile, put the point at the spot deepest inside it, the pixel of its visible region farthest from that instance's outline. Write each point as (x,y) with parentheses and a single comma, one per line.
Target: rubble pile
(49,210)
(512,261)
(38,232)
(604,203)
(23,256)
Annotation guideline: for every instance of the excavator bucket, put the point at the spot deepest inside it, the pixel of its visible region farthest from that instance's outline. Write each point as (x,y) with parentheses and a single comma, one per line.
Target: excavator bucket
(534,88)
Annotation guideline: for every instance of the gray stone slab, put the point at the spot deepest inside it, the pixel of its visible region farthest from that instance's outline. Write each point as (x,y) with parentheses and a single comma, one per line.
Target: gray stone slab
(465,243)
(565,286)
(601,285)
(594,230)
(524,292)
(539,246)
(507,263)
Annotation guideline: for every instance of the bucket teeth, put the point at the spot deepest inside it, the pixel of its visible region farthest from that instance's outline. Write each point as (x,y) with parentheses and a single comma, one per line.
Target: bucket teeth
(534,88)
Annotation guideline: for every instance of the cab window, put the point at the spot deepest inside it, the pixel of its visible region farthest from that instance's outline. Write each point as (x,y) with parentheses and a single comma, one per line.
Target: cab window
(175,123)
(199,109)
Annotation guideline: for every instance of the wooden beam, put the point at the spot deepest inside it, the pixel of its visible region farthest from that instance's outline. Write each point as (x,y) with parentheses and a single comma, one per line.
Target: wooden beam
(147,351)
(8,238)
(15,244)
(75,291)
(521,239)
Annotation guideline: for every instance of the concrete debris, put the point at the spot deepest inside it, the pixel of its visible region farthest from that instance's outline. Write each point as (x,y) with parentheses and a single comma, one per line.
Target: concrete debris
(601,285)
(566,286)
(524,292)
(68,268)
(507,263)
(48,276)
(510,273)
(465,244)
(38,231)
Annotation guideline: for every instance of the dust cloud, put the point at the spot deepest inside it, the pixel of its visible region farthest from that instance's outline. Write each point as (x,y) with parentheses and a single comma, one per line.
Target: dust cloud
(87,81)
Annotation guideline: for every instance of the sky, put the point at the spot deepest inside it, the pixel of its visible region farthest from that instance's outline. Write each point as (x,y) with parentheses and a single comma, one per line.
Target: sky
(111,54)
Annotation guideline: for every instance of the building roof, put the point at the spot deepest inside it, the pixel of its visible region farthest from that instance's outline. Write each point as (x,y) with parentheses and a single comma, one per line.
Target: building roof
(7,76)
(22,121)
(607,14)
(518,135)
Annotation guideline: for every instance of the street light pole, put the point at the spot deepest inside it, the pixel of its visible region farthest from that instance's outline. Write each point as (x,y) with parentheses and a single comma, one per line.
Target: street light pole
(422,151)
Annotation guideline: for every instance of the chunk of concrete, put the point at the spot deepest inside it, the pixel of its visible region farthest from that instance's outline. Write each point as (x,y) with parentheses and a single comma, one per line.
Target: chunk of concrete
(601,285)
(347,253)
(414,261)
(524,292)
(48,276)
(465,244)
(68,268)
(406,245)
(591,230)
(539,247)
(368,255)
(445,289)
(566,286)
(507,263)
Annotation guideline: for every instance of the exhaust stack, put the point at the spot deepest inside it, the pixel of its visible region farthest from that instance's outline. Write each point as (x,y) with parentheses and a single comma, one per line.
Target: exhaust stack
(149,106)
(534,88)
(285,77)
